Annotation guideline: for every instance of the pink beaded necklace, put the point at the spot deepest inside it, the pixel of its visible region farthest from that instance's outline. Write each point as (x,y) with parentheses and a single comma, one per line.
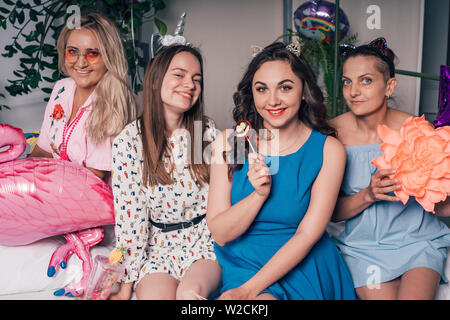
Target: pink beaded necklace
(66,136)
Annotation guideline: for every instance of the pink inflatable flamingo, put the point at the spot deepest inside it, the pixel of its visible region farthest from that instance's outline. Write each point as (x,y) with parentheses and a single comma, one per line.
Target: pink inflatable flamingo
(43,197)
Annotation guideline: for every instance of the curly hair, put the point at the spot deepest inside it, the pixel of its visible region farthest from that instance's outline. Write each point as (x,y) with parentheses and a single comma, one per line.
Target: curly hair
(312,112)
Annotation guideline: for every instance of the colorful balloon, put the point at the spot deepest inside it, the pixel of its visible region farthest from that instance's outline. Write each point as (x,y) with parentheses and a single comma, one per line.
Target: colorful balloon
(316,20)
(43,197)
(443,116)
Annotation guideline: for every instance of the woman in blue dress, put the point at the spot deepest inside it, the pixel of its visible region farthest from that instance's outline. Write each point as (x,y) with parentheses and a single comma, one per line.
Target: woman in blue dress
(268,211)
(393,251)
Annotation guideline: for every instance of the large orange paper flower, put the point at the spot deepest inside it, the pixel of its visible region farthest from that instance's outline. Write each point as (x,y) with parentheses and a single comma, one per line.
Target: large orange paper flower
(420,155)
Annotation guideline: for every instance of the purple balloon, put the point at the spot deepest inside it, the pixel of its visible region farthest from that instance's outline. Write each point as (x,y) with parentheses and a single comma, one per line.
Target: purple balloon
(443,116)
(316,20)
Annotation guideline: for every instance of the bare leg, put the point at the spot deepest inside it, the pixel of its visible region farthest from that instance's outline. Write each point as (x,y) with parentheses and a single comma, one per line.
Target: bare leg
(419,284)
(157,286)
(383,291)
(202,278)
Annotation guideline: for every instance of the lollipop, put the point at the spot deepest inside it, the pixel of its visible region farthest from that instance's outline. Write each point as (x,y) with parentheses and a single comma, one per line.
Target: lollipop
(244,129)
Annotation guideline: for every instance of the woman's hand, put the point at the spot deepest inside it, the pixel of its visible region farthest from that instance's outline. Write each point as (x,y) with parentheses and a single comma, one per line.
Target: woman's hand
(258,175)
(239,293)
(380,184)
(124,292)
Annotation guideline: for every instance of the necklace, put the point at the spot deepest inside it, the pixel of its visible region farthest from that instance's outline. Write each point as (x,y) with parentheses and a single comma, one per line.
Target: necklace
(280,151)
(66,135)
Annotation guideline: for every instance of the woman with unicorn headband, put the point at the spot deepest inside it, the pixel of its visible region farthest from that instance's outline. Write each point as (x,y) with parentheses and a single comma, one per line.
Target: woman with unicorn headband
(160,195)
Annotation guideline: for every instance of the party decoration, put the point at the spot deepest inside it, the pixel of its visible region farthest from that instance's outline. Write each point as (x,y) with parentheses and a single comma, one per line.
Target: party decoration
(78,242)
(31,139)
(102,279)
(420,155)
(244,129)
(443,116)
(316,20)
(157,41)
(43,197)
(13,139)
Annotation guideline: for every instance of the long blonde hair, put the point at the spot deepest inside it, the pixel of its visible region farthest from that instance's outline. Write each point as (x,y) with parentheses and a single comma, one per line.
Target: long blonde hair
(116,104)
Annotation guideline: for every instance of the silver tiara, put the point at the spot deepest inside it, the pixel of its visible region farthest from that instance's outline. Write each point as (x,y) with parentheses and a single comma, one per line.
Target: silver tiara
(158,41)
(295,47)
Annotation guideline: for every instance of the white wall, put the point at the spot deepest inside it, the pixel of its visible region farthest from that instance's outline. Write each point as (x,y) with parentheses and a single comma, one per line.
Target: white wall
(225,30)
(27,111)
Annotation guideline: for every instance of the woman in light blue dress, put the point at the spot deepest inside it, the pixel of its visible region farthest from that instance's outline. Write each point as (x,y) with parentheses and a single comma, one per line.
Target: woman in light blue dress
(394,251)
(268,213)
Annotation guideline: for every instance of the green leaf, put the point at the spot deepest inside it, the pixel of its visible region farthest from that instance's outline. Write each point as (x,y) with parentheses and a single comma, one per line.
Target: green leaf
(29,50)
(2,95)
(21,17)
(28,60)
(32,36)
(47,90)
(158,5)
(162,28)
(9,2)
(12,17)
(48,79)
(33,15)
(40,28)
(17,45)
(56,75)
(37,2)
(4,10)
(49,65)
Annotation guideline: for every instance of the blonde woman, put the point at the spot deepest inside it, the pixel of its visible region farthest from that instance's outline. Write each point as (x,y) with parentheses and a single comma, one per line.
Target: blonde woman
(93,104)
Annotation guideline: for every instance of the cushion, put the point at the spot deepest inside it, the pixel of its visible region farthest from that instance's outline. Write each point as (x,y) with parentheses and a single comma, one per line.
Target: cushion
(24,268)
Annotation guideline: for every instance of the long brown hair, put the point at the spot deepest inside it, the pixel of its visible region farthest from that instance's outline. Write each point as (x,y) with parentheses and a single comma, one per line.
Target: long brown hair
(152,125)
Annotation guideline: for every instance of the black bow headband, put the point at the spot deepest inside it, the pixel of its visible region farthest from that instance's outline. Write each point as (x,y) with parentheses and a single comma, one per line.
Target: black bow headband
(378,46)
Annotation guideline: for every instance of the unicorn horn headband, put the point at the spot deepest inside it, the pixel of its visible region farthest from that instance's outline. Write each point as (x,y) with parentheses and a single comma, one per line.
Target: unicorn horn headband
(158,41)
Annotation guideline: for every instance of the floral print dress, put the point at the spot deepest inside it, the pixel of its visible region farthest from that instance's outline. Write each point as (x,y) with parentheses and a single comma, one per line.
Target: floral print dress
(148,249)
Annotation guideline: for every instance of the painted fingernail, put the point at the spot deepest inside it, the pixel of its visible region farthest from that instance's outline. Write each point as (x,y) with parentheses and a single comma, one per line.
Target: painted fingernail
(51,271)
(68,294)
(63,264)
(59,292)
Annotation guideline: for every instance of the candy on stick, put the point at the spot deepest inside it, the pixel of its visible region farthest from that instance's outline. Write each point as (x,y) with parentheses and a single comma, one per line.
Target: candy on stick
(244,129)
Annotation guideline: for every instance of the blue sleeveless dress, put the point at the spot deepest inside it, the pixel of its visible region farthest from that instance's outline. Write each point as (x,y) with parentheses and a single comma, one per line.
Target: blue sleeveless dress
(322,274)
(388,238)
